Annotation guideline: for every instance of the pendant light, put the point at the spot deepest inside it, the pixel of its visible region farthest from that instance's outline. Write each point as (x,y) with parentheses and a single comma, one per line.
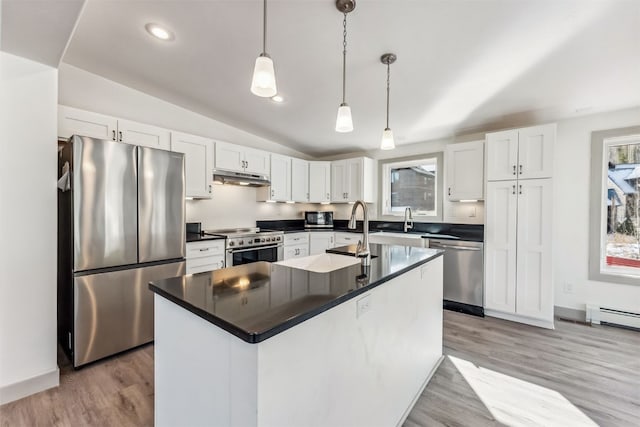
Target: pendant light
(387,134)
(344,123)
(263,83)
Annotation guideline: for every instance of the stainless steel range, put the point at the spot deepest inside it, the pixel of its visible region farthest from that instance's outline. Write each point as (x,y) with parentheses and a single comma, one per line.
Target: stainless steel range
(252,244)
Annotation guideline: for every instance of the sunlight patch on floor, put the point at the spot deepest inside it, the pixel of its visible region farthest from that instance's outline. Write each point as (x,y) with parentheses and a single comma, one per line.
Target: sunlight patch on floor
(515,402)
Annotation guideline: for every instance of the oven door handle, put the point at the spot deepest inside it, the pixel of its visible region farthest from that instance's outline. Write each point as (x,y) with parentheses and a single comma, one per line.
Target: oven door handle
(256,248)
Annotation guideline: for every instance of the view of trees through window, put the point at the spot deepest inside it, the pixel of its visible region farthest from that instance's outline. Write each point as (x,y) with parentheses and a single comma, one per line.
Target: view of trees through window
(623,205)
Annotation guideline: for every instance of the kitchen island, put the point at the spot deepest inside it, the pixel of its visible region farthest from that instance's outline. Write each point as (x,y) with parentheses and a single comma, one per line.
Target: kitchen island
(266,344)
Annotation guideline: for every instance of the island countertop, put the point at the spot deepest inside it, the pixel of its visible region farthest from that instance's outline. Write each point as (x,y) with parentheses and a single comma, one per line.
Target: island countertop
(259,300)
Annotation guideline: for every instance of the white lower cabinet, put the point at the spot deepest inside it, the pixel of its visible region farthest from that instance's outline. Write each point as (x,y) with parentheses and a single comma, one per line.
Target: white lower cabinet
(518,251)
(343,238)
(320,241)
(204,256)
(296,245)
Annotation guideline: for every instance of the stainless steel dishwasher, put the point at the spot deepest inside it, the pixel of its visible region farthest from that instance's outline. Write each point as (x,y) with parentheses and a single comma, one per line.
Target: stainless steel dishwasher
(463,275)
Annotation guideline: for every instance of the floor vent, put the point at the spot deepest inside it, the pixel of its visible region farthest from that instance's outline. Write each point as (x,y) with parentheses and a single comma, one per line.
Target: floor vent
(597,315)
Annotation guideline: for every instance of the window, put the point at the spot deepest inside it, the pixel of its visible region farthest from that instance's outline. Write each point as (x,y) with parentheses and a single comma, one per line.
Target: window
(615,206)
(413,183)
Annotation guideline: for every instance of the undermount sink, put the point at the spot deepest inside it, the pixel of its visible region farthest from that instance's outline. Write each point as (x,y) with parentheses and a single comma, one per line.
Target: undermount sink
(322,263)
(404,239)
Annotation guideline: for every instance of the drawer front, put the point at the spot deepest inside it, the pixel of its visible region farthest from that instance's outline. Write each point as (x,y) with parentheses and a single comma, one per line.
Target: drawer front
(208,263)
(296,239)
(205,249)
(347,238)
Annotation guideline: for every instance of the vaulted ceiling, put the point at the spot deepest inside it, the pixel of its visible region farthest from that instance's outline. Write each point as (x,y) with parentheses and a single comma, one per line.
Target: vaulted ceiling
(462,65)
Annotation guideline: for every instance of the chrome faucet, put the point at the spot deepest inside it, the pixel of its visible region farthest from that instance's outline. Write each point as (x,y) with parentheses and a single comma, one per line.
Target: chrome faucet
(362,251)
(408,219)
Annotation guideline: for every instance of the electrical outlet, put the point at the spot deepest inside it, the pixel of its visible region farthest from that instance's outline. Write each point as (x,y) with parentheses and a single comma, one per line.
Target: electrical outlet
(472,212)
(568,287)
(363,305)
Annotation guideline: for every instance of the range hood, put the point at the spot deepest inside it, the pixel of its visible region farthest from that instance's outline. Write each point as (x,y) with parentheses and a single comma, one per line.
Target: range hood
(240,178)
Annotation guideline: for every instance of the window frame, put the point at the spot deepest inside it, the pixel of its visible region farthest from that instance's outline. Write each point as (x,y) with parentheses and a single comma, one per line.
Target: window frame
(600,141)
(384,185)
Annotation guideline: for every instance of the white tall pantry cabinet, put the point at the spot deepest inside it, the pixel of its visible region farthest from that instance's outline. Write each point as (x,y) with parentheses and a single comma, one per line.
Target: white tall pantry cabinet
(518,211)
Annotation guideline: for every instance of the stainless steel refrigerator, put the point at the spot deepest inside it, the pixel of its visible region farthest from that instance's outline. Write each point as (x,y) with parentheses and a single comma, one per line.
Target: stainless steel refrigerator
(120,225)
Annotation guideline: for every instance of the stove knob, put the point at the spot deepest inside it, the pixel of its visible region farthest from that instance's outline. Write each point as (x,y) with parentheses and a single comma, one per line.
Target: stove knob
(263,240)
(241,242)
(232,243)
(268,239)
(279,238)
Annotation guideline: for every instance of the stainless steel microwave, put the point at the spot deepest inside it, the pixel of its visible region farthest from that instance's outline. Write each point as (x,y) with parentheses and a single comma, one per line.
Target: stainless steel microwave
(314,219)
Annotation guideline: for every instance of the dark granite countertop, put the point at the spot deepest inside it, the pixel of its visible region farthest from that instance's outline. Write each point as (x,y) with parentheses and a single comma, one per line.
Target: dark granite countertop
(259,300)
(198,237)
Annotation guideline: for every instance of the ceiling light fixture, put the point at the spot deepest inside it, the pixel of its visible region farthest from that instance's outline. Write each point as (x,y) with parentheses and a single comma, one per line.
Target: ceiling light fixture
(277,98)
(159,32)
(387,135)
(263,83)
(344,123)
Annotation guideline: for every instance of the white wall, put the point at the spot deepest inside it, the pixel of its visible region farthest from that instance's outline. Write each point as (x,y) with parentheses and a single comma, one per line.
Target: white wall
(28,109)
(572,171)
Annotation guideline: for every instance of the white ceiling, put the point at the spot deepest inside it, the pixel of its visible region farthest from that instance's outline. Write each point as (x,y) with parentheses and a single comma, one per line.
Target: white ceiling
(462,65)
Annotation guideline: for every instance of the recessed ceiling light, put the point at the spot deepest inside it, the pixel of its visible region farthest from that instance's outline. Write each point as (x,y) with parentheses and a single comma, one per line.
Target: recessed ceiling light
(277,98)
(159,32)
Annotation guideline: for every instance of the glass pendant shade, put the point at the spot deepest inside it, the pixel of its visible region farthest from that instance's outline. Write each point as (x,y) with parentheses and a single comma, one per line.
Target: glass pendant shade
(343,121)
(263,83)
(387,140)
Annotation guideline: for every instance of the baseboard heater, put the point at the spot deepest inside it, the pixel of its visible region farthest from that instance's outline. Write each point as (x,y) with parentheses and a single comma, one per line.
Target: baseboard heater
(597,315)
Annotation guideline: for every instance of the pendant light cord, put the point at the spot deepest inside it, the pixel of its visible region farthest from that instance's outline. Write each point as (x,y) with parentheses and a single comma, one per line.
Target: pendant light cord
(344,57)
(388,84)
(264,27)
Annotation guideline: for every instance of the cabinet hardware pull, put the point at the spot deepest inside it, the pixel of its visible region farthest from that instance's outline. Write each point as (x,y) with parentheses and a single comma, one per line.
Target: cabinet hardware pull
(204,249)
(114,135)
(520,191)
(449,190)
(514,189)
(514,169)
(520,169)
(210,189)
(273,193)
(327,196)
(120,136)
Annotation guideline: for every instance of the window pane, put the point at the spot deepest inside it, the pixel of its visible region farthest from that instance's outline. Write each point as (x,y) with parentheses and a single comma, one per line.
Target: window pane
(415,187)
(622,248)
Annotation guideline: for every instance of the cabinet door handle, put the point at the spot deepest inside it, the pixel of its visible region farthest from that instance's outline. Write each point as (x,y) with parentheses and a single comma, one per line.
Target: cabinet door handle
(514,169)
(120,136)
(113,133)
(246,164)
(327,196)
(449,190)
(520,190)
(514,189)
(307,196)
(210,189)
(520,169)
(204,249)
(273,193)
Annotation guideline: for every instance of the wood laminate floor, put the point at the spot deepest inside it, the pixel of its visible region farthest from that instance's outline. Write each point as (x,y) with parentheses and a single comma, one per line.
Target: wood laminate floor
(495,372)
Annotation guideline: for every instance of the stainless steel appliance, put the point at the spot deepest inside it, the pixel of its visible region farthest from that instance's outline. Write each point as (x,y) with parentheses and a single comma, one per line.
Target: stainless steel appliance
(240,178)
(120,225)
(252,244)
(463,275)
(314,219)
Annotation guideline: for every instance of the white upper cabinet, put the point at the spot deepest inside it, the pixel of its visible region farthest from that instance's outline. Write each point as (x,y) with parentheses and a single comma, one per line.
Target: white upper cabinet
(198,160)
(525,153)
(72,121)
(353,179)
(319,182)
(237,158)
(465,171)
(280,188)
(143,135)
(299,180)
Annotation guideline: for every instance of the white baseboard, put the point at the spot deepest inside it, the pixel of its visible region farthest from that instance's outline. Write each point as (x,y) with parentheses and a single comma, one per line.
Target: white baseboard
(33,385)
(424,385)
(520,319)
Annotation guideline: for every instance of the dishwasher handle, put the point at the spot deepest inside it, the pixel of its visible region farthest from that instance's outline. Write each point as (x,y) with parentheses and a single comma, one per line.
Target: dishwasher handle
(436,245)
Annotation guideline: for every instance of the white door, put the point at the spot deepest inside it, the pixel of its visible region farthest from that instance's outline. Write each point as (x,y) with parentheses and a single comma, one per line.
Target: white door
(502,155)
(534,276)
(500,246)
(319,182)
(465,170)
(229,157)
(198,153)
(280,178)
(338,180)
(72,121)
(143,135)
(256,161)
(354,186)
(299,180)
(535,151)
(320,241)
